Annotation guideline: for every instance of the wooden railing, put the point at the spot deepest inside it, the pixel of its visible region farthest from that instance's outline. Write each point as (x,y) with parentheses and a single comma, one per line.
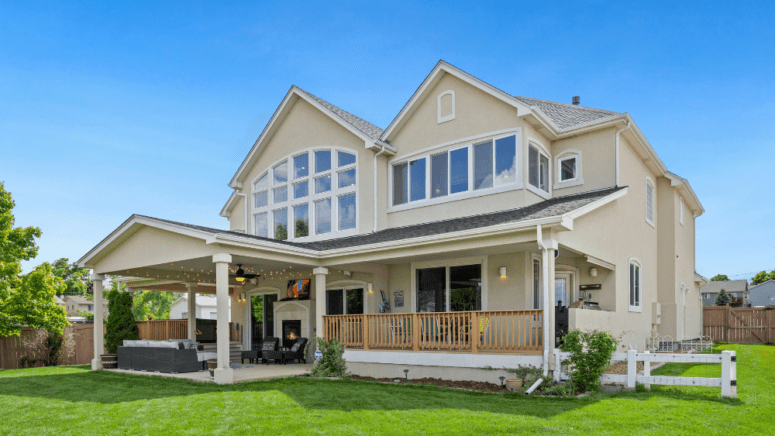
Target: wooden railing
(482,331)
(163,329)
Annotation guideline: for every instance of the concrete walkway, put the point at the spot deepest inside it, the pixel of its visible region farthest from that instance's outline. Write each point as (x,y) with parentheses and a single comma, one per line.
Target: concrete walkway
(242,373)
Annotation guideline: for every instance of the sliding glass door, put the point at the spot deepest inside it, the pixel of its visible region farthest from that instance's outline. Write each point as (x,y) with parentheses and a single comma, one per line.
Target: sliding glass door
(344,301)
(453,288)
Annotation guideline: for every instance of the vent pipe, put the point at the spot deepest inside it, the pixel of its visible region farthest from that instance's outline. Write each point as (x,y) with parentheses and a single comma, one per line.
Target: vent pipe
(576,100)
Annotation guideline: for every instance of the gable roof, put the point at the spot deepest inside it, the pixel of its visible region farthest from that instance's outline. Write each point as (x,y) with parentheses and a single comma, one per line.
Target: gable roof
(568,116)
(762,294)
(727,285)
(364,126)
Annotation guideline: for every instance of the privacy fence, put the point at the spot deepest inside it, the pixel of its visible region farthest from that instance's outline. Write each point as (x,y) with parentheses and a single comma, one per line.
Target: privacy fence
(745,325)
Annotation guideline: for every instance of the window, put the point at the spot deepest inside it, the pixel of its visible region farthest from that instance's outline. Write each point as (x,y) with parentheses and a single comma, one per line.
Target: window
(465,288)
(431,285)
(296,197)
(649,202)
(445,106)
(476,167)
(567,167)
(538,169)
(344,301)
(537,303)
(681,210)
(635,286)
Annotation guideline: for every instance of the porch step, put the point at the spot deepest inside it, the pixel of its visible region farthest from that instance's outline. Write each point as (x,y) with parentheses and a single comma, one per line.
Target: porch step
(235,350)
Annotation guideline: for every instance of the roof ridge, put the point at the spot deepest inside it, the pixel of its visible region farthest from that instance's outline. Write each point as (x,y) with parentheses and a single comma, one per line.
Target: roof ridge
(334,108)
(572,106)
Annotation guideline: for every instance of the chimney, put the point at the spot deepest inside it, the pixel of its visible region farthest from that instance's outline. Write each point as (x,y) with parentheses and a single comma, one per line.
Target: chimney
(576,100)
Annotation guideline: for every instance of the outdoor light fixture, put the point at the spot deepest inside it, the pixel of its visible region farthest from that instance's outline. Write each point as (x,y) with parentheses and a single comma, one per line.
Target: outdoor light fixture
(503,272)
(593,272)
(371,288)
(502,378)
(406,374)
(348,273)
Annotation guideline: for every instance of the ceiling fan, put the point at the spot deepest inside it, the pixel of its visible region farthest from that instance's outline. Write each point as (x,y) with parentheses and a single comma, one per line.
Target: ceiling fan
(240,276)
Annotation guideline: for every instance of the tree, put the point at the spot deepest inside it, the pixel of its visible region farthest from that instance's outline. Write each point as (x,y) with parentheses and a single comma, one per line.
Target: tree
(281,233)
(121,323)
(722,299)
(76,279)
(25,299)
(763,277)
(719,278)
(154,304)
(302,229)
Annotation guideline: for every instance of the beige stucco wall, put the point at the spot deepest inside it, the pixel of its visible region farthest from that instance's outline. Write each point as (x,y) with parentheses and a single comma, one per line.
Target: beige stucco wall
(598,160)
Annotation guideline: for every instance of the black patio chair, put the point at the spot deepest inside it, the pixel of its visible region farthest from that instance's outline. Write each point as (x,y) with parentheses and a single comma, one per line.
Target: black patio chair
(296,352)
(269,351)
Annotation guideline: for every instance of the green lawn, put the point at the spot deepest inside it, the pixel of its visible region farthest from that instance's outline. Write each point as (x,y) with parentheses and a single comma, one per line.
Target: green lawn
(74,400)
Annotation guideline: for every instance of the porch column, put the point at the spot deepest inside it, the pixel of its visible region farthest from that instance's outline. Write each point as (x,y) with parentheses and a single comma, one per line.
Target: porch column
(99,333)
(320,299)
(191,288)
(223,373)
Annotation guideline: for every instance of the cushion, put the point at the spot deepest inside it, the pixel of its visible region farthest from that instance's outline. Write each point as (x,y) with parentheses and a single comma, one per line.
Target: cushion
(296,346)
(268,345)
(191,345)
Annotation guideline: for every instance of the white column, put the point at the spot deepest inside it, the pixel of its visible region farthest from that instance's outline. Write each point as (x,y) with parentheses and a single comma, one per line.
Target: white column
(320,299)
(223,373)
(99,328)
(191,287)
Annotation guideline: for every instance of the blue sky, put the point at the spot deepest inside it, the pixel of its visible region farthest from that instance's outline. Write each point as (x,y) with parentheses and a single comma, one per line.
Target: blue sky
(114,108)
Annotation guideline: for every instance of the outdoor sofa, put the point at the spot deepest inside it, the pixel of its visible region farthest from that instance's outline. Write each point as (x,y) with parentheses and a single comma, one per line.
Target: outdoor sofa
(172,356)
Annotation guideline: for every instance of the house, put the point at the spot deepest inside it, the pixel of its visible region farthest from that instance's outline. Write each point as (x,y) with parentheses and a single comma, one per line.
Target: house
(74,304)
(60,302)
(474,221)
(206,308)
(736,289)
(762,295)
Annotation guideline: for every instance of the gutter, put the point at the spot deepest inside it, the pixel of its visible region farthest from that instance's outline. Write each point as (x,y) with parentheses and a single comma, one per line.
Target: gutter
(626,126)
(375,186)
(545,266)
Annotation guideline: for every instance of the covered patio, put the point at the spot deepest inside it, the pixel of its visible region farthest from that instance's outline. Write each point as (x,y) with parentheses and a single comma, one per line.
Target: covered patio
(241,372)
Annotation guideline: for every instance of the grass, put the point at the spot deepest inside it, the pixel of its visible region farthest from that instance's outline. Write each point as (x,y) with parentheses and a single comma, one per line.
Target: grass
(75,400)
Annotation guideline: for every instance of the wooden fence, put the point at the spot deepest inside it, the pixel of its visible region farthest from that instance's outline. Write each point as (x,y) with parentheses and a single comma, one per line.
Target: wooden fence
(81,335)
(163,329)
(743,325)
(474,332)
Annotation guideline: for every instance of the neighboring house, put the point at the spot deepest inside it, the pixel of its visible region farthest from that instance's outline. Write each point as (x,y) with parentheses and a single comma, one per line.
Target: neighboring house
(473,214)
(60,302)
(763,294)
(206,308)
(77,303)
(736,289)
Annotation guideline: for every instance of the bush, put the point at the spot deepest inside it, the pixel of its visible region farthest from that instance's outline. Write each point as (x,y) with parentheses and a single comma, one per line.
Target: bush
(590,353)
(48,348)
(332,363)
(722,299)
(530,374)
(121,323)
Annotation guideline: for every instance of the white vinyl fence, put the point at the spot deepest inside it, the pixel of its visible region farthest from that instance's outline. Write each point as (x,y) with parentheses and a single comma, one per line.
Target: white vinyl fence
(727,382)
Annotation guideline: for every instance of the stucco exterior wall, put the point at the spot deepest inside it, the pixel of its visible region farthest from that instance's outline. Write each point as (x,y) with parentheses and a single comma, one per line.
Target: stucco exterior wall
(598,160)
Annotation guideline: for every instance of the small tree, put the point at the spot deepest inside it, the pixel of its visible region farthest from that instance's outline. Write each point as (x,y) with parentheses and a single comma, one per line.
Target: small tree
(719,278)
(332,363)
(722,299)
(121,322)
(302,229)
(590,353)
(281,233)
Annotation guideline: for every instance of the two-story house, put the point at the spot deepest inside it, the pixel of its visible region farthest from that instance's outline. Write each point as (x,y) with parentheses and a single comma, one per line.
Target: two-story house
(464,235)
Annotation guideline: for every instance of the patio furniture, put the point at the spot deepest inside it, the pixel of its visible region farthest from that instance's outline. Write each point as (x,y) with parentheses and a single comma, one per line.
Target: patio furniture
(159,356)
(251,355)
(270,351)
(429,328)
(296,352)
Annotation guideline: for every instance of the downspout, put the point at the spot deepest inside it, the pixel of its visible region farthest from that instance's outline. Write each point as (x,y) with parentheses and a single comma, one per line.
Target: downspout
(626,126)
(545,266)
(246,208)
(375,187)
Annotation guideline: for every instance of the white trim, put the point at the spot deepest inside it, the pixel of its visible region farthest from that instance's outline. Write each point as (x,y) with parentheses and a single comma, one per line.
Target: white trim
(639,306)
(449,117)
(451,144)
(653,211)
(541,149)
(681,210)
(578,177)
(597,203)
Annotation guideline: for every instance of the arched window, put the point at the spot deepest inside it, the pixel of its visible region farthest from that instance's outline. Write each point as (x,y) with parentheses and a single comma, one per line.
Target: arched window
(445,106)
(567,169)
(310,194)
(636,285)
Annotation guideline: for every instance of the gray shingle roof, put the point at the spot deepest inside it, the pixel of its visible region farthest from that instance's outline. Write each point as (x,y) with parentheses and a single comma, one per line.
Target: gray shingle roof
(362,125)
(567,116)
(549,208)
(728,286)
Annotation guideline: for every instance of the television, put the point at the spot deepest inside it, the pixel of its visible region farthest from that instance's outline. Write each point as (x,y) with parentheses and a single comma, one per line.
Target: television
(298,289)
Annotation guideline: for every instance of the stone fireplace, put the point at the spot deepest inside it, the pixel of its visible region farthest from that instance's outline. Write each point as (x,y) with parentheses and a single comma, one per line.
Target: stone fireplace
(291,331)
(294,319)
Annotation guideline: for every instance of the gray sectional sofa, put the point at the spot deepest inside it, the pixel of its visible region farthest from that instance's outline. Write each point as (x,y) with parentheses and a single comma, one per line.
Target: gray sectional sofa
(172,356)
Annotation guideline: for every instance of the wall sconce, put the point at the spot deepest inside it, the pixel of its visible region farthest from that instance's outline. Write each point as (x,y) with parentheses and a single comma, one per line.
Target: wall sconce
(348,273)
(370,288)
(593,272)
(503,272)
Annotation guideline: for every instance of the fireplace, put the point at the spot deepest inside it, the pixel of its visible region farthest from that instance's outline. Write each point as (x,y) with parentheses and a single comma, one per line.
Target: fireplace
(291,332)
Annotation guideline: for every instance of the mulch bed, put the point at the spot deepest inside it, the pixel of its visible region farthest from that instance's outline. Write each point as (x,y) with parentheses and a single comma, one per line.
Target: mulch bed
(468,385)
(621,368)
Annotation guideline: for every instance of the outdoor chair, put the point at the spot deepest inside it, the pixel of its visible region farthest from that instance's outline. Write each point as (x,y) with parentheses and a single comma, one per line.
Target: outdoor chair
(430,329)
(269,351)
(296,352)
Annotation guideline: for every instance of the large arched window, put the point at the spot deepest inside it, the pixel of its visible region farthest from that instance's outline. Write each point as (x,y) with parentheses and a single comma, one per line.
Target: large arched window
(310,194)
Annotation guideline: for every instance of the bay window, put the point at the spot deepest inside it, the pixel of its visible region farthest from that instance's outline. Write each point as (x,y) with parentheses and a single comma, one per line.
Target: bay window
(538,168)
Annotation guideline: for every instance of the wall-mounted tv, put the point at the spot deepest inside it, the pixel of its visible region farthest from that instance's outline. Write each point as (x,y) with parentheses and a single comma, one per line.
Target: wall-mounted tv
(298,289)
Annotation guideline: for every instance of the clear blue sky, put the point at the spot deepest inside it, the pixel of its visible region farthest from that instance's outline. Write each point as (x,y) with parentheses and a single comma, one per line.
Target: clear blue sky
(114,108)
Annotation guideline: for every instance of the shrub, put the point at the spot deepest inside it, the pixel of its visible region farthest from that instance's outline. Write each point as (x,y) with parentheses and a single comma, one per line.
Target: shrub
(121,323)
(332,363)
(48,348)
(722,299)
(590,353)
(530,374)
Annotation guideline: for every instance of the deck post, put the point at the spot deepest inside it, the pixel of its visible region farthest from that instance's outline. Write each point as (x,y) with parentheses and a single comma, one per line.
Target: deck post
(191,288)
(475,333)
(415,331)
(223,374)
(99,334)
(728,374)
(365,331)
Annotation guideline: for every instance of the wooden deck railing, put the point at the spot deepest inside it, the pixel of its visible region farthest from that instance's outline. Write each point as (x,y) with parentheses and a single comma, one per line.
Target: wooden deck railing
(482,331)
(163,329)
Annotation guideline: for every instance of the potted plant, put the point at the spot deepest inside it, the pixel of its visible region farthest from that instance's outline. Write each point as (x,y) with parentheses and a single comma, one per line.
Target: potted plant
(121,326)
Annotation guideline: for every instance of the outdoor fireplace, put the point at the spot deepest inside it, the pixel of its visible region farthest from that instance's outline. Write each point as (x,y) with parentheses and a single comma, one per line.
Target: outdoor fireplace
(291,332)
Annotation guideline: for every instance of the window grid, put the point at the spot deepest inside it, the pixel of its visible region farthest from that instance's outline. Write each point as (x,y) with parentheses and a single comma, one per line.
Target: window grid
(298,176)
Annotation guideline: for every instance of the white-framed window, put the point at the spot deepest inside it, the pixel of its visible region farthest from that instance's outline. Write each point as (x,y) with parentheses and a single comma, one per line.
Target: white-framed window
(681,210)
(636,286)
(301,195)
(567,169)
(445,106)
(538,170)
(650,203)
(478,168)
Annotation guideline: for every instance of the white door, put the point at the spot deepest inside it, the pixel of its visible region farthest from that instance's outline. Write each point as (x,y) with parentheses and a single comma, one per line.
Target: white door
(562,289)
